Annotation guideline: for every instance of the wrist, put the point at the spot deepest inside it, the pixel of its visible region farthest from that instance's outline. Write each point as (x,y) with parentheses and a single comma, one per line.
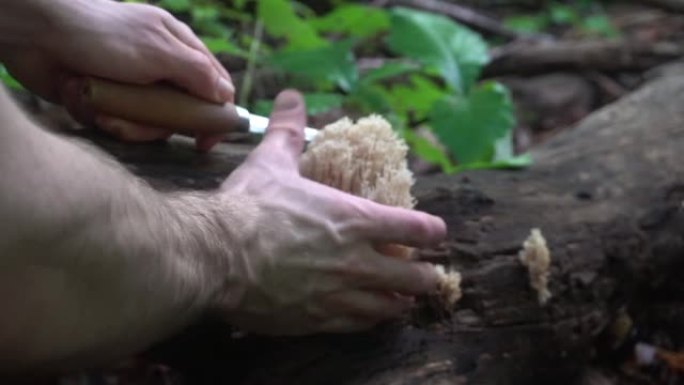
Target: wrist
(215,230)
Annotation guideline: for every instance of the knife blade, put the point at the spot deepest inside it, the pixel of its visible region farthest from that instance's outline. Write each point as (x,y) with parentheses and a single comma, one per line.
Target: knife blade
(258,124)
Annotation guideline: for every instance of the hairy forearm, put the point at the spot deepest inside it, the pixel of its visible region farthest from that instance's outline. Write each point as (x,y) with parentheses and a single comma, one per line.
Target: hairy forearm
(93,263)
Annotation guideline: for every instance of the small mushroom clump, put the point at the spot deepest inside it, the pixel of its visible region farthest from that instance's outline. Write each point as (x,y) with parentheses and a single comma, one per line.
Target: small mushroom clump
(368,159)
(536,257)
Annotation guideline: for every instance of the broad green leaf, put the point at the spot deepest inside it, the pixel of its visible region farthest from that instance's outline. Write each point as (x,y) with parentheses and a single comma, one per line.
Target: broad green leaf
(469,126)
(316,103)
(8,80)
(281,21)
(368,98)
(334,63)
(457,52)
(428,151)
(387,70)
(220,45)
(176,5)
(416,98)
(353,20)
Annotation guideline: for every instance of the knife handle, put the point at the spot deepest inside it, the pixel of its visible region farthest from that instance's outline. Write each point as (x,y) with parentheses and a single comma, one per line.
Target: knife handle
(163,106)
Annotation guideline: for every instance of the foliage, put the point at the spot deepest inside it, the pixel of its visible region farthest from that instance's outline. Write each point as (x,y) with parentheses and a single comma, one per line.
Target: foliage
(8,80)
(585,16)
(429,81)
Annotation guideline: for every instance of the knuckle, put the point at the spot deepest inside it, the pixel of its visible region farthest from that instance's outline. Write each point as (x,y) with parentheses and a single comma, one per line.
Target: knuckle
(200,63)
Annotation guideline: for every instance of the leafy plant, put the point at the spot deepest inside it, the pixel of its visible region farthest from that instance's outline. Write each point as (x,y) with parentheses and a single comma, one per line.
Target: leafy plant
(8,80)
(585,16)
(430,82)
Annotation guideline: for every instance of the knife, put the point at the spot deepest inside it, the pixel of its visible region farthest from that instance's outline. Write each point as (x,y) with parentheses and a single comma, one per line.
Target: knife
(168,107)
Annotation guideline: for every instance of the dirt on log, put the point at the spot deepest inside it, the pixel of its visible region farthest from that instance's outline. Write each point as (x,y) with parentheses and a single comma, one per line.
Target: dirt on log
(607,196)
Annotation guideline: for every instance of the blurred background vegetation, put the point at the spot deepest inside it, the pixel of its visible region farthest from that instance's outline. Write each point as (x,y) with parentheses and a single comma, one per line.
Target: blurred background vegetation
(421,70)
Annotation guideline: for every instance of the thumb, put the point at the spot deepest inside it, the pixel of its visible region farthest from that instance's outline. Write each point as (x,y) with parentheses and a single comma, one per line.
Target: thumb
(284,137)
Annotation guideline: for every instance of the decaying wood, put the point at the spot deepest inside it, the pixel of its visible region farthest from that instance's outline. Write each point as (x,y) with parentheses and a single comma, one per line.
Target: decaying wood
(539,57)
(607,196)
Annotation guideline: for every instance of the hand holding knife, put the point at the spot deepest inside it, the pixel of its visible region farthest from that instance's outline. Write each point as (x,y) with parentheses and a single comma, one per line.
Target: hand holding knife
(168,107)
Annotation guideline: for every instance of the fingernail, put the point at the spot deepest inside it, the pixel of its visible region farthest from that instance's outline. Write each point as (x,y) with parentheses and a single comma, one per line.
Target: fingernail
(225,90)
(288,100)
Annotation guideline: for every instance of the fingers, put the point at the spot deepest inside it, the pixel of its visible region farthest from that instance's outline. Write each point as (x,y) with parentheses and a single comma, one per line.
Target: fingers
(196,69)
(183,33)
(284,139)
(129,131)
(387,274)
(383,224)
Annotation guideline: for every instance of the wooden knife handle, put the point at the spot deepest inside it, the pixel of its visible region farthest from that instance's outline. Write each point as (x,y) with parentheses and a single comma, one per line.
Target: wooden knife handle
(162,106)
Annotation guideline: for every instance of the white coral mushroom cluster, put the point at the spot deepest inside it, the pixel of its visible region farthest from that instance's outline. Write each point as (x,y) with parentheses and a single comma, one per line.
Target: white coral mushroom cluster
(368,159)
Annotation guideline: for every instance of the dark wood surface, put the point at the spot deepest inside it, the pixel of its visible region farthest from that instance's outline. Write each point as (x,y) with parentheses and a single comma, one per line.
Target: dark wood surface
(607,195)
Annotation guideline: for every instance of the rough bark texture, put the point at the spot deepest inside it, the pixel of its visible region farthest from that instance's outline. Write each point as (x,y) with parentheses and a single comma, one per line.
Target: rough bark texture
(607,196)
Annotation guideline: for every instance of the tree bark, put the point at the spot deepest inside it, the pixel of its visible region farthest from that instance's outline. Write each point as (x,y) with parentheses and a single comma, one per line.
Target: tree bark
(607,195)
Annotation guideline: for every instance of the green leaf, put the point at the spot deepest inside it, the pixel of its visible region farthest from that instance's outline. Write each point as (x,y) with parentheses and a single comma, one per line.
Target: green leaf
(206,20)
(176,5)
(563,14)
(599,25)
(240,4)
(353,20)
(520,161)
(427,151)
(470,126)
(219,45)
(457,52)
(530,24)
(388,70)
(316,103)
(319,103)
(369,98)
(281,21)
(334,63)
(416,98)
(8,80)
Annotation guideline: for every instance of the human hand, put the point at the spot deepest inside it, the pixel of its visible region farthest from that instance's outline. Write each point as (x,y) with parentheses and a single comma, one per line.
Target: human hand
(130,43)
(307,261)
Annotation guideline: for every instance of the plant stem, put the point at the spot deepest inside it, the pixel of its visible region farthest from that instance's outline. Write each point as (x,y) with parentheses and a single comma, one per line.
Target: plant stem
(251,63)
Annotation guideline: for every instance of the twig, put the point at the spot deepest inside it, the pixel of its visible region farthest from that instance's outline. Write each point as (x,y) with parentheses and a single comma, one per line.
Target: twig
(248,80)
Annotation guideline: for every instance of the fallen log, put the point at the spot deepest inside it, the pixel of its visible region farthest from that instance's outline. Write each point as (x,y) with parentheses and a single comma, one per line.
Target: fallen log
(525,57)
(672,5)
(607,196)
